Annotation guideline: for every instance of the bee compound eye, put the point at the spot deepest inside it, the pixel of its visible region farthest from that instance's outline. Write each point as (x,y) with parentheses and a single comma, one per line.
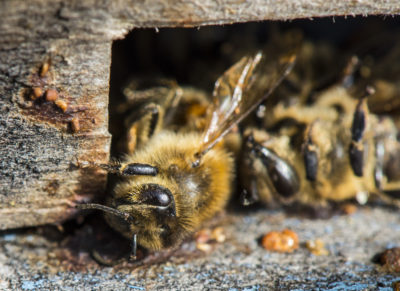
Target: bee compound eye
(282,175)
(163,199)
(139,169)
(156,195)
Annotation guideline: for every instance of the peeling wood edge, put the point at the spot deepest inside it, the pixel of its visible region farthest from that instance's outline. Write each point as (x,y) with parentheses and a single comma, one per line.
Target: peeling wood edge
(227,21)
(195,13)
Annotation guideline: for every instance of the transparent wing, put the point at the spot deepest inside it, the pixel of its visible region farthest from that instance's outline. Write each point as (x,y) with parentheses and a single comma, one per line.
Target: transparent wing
(241,89)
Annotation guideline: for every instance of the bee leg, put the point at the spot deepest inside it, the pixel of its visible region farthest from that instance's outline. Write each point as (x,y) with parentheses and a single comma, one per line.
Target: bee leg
(103,261)
(162,91)
(282,175)
(379,174)
(249,194)
(349,72)
(356,154)
(310,153)
(132,169)
(393,193)
(142,125)
(356,149)
(390,192)
(154,111)
(390,189)
(172,103)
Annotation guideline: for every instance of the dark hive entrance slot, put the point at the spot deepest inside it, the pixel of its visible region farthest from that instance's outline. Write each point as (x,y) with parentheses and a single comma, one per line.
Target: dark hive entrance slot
(196,57)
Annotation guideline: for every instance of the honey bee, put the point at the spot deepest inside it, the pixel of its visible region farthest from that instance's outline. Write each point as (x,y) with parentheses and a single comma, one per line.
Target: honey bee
(315,153)
(177,177)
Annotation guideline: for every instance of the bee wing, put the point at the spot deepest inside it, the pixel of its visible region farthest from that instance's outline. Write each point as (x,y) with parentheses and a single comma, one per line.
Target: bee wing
(240,90)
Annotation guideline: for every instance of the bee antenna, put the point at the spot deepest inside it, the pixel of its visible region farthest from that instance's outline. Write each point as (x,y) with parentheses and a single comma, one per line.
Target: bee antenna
(125,216)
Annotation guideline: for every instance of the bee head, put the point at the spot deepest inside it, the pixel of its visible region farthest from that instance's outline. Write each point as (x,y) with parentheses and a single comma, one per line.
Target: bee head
(145,197)
(152,209)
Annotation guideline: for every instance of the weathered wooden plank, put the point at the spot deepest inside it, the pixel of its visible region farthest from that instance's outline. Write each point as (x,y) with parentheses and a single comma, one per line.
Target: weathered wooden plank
(157,13)
(38,146)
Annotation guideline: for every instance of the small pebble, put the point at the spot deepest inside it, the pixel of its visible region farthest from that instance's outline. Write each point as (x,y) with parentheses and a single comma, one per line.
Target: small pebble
(349,208)
(204,247)
(317,247)
(285,241)
(203,236)
(390,260)
(218,234)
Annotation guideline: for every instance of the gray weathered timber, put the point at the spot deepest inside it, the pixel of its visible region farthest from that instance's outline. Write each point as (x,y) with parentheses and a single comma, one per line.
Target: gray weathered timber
(38,147)
(29,261)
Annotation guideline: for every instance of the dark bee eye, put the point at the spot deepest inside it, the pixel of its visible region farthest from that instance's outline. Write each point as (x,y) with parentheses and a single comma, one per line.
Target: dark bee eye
(282,175)
(156,195)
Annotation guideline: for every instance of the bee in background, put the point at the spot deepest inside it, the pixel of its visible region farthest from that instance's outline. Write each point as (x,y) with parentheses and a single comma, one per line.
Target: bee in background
(176,177)
(327,149)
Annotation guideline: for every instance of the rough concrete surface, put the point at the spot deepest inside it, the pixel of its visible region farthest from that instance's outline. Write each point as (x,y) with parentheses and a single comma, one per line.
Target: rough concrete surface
(32,260)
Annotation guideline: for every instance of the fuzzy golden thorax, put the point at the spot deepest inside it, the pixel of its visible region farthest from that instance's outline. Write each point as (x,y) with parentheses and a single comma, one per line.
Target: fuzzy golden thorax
(171,205)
